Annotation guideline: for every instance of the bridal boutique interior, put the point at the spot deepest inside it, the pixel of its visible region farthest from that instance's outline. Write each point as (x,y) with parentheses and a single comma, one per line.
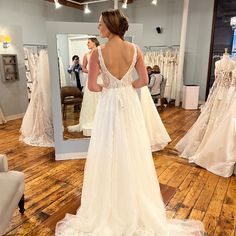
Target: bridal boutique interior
(42,150)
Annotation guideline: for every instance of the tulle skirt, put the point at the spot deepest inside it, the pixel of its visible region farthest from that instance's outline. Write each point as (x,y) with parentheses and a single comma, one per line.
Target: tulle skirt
(121,194)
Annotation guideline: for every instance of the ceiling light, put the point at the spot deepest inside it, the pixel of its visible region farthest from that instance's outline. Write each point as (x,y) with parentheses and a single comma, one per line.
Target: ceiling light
(86,9)
(125,4)
(57,4)
(154,2)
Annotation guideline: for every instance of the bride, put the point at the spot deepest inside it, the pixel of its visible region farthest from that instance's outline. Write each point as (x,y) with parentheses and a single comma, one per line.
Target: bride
(121,194)
(90,99)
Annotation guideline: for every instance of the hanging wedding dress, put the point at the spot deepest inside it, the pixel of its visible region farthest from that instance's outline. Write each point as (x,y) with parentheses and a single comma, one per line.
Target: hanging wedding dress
(2,118)
(121,194)
(210,142)
(36,128)
(168,64)
(63,80)
(88,109)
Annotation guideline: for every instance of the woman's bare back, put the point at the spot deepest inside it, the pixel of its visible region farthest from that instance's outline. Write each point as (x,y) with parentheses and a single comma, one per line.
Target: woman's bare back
(118,57)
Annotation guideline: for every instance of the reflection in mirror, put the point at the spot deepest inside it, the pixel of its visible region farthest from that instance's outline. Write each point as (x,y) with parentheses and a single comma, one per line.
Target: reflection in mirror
(77,102)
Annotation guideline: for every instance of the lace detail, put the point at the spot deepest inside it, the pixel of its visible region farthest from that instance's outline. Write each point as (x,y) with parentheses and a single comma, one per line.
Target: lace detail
(109,80)
(225,79)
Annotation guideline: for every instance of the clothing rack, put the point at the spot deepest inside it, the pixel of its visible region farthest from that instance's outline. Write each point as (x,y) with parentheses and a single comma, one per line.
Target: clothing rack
(162,46)
(36,47)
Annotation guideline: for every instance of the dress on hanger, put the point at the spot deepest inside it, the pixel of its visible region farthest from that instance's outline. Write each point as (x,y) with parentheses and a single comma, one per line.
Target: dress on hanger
(121,195)
(36,128)
(215,125)
(88,109)
(2,118)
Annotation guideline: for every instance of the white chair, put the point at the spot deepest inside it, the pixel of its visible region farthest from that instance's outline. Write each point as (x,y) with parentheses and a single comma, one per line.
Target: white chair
(12,186)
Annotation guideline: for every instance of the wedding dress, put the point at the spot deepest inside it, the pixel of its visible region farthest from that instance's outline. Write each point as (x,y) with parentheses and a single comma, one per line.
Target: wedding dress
(210,142)
(158,136)
(121,194)
(36,128)
(88,109)
(2,117)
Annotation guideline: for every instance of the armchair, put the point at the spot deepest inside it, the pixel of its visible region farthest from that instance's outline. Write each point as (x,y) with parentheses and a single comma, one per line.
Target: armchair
(12,185)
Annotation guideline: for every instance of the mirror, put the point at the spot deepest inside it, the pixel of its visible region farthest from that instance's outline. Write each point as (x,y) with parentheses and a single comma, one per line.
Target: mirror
(78,104)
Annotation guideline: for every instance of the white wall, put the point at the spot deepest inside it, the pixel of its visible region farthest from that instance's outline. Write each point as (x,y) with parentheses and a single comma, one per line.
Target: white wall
(32,15)
(13,94)
(167,14)
(63,52)
(198,43)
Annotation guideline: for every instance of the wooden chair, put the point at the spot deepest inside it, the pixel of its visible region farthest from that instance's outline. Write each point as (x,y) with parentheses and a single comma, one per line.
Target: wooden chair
(70,96)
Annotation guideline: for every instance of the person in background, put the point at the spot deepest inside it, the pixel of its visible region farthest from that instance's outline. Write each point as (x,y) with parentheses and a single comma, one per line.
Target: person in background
(155,82)
(149,71)
(74,69)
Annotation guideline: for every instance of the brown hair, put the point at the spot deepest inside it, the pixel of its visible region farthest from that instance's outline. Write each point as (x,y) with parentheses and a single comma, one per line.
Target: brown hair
(116,22)
(156,69)
(94,40)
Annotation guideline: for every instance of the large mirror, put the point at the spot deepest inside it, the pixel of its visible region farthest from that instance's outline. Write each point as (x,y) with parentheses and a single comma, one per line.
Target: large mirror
(68,42)
(78,104)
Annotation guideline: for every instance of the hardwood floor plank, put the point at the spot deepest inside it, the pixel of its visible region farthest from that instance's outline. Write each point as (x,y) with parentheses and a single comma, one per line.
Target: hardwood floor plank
(54,188)
(214,208)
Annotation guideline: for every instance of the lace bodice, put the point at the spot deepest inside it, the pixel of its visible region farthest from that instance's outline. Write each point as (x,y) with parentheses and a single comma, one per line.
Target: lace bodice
(223,73)
(109,80)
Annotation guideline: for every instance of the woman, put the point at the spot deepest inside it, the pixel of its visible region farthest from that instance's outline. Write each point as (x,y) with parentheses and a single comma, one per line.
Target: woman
(155,81)
(90,99)
(121,195)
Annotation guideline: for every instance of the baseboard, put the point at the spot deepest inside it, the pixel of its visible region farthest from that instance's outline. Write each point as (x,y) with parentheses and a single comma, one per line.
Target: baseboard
(69,156)
(201,102)
(14,117)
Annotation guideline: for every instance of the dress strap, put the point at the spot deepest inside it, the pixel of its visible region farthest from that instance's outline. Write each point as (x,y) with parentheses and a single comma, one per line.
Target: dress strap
(100,58)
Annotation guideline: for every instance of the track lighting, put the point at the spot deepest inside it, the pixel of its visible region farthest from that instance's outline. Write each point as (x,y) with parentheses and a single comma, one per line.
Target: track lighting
(86,9)
(125,4)
(57,4)
(154,2)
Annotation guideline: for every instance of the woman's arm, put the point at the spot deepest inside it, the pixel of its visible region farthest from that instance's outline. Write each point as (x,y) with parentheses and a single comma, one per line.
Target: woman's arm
(85,63)
(141,70)
(94,71)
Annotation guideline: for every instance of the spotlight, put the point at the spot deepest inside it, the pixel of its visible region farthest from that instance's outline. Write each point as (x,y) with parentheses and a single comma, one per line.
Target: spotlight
(86,9)
(154,2)
(57,4)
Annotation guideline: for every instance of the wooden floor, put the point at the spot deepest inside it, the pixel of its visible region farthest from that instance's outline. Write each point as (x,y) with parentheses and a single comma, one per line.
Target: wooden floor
(54,188)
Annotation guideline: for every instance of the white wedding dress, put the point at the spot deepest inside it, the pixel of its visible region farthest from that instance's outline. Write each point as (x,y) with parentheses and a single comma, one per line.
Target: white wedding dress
(88,109)
(37,126)
(158,136)
(210,143)
(2,117)
(121,195)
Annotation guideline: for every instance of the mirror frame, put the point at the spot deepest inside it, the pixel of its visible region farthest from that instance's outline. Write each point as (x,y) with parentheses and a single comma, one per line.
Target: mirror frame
(72,149)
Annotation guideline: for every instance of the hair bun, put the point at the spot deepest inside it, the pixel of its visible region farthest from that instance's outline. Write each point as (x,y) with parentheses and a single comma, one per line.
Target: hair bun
(116,22)
(124,25)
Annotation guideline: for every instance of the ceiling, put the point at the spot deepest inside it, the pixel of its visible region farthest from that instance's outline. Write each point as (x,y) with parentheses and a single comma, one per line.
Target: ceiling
(78,6)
